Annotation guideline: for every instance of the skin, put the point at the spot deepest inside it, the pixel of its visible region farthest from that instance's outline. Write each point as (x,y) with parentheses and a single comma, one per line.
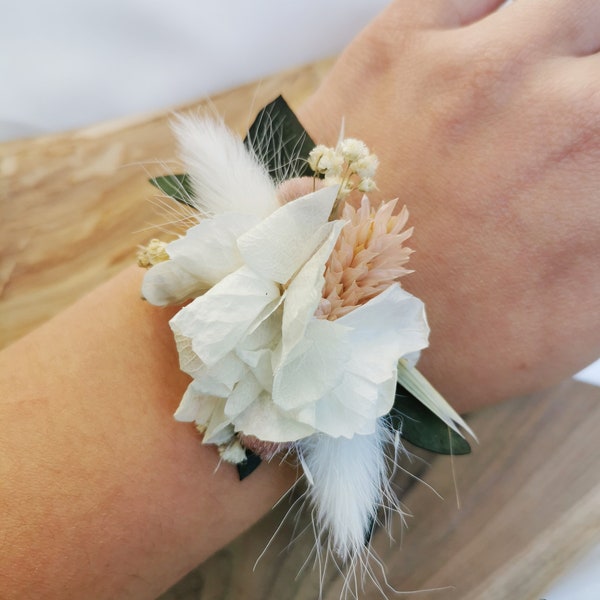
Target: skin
(486,126)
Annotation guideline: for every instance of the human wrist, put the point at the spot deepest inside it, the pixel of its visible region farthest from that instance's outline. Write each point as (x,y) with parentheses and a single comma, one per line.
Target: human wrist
(98,409)
(356,93)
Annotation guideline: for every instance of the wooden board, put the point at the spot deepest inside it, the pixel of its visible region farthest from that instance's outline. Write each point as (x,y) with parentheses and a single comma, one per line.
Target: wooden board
(73,208)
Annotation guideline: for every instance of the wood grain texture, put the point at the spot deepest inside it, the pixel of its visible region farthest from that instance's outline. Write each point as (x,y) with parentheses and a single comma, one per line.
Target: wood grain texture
(529,507)
(73,208)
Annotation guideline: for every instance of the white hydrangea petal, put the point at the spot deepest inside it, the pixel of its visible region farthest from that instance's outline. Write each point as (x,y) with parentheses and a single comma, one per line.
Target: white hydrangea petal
(219,429)
(349,409)
(261,365)
(352,365)
(334,418)
(209,249)
(278,246)
(412,358)
(265,335)
(226,177)
(168,283)
(316,367)
(385,329)
(269,423)
(188,360)
(190,405)
(196,407)
(219,379)
(217,321)
(244,394)
(255,350)
(206,254)
(205,411)
(223,435)
(365,396)
(304,292)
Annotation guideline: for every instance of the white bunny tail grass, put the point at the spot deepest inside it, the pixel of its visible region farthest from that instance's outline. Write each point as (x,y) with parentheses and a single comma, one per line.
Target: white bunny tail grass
(226,177)
(348,482)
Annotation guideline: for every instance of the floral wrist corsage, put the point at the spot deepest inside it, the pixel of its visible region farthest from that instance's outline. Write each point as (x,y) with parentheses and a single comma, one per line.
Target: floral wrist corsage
(299,337)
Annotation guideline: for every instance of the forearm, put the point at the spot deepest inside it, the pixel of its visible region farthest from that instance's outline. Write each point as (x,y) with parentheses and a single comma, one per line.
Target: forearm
(104,495)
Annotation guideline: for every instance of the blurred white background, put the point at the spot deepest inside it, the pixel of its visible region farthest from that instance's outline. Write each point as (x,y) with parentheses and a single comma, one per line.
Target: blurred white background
(67,64)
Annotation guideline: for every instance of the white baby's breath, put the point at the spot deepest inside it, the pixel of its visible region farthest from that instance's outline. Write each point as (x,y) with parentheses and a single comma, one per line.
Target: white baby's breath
(326,161)
(353,149)
(349,166)
(366,185)
(314,157)
(365,167)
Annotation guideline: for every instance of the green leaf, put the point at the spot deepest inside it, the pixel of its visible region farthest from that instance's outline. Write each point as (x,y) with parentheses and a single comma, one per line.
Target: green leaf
(280,142)
(249,465)
(178,187)
(413,383)
(419,426)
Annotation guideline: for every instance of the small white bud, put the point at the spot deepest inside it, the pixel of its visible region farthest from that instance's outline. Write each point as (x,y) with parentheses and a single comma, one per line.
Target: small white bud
(315,156)
(353,149)
(366,166)
(152,254)
(233,452)
(331,163)
(366,185)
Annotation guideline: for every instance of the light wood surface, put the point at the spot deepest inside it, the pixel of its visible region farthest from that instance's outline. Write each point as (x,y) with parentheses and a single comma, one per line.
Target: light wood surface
(73,208)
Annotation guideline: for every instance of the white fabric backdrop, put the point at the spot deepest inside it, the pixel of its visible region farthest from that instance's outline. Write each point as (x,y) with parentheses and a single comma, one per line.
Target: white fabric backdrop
(68,63)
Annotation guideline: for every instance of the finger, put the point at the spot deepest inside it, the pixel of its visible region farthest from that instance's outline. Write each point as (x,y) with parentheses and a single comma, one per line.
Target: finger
(564,26)
(441,13)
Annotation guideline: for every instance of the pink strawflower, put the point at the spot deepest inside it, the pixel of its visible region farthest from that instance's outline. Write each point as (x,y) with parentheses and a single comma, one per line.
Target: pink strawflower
(368,257)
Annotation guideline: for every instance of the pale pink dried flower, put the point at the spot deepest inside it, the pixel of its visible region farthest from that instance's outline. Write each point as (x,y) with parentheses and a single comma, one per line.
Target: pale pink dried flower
(368,257)
(266,450)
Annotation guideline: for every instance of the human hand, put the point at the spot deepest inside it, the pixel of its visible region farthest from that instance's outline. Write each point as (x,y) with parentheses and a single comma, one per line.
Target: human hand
(487,125)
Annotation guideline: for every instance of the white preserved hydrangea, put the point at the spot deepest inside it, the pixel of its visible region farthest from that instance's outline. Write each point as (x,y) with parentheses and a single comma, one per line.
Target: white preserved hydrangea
(262,364)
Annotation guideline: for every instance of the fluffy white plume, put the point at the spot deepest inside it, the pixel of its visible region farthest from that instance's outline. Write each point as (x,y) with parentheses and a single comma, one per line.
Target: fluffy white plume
(348,482)
(225,176)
